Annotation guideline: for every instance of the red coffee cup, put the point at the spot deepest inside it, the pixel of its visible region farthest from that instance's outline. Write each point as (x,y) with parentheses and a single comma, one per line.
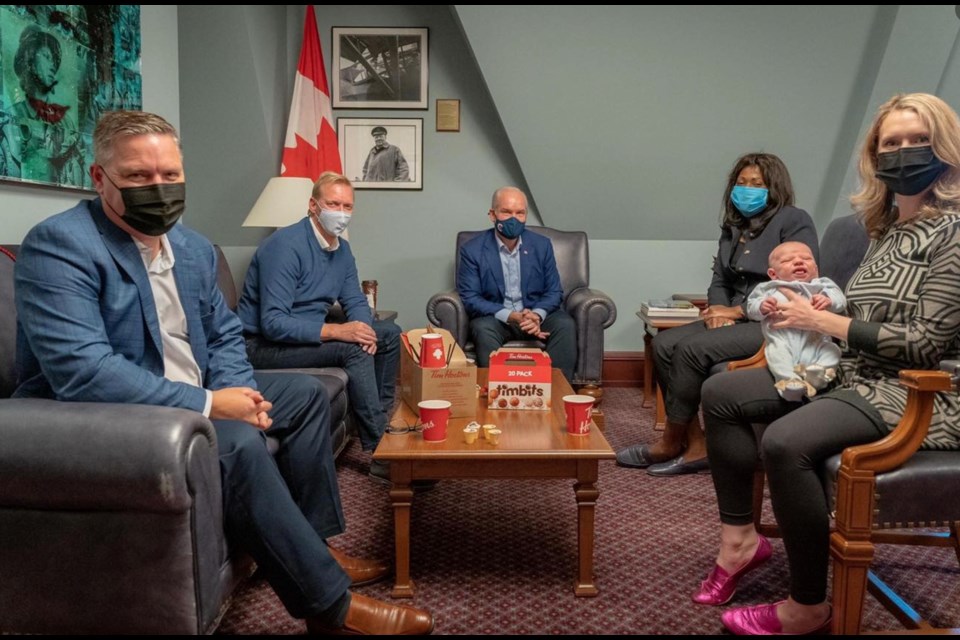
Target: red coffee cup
(434,415)
(431,351)
(578,409)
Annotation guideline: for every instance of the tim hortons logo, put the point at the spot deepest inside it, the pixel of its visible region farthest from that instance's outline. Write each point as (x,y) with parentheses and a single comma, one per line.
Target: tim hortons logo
(449,373)
(428,425)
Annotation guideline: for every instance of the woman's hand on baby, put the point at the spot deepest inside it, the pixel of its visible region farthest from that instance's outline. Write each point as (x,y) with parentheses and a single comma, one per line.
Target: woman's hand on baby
(797,313)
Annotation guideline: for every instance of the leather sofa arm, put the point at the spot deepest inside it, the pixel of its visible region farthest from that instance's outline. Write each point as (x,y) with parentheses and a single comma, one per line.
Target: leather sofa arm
(591,306)
(446,310)
(593,311)
(104,457)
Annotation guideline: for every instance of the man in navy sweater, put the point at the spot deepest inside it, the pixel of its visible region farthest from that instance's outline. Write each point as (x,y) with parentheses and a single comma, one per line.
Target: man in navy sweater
(294,278)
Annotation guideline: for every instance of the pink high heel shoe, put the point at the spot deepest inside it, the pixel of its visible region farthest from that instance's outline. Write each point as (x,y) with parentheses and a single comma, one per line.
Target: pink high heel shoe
(762,620)
(720,586)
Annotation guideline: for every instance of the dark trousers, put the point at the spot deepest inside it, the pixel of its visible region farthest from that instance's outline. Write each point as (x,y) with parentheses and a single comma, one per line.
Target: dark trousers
(794,444)
(489,334)
(281,509)
(372,379)
(684,356)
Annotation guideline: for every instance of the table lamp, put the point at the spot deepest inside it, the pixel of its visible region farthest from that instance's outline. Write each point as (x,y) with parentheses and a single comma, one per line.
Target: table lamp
(282,202)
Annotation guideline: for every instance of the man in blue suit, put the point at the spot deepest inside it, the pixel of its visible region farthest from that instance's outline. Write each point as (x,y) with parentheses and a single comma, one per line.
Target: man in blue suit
(116,303)
(509,284)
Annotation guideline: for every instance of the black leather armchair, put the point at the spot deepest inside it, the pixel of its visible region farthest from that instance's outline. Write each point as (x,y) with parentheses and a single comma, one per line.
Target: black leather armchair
(591,309)
(111,515)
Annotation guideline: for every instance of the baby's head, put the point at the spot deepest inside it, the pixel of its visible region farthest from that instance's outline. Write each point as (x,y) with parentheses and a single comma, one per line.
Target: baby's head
(792,262)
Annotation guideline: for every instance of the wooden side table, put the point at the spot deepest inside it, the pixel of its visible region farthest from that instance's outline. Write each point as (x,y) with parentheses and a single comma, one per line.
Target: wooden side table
(651,391)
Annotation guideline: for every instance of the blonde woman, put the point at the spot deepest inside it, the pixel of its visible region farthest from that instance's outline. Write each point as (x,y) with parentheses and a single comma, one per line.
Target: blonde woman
(904,313)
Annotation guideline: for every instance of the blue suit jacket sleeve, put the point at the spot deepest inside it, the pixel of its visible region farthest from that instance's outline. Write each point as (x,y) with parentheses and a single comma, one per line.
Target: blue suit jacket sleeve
(62,301)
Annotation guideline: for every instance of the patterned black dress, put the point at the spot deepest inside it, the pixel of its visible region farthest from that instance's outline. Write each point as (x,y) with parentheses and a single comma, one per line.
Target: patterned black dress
(905,301)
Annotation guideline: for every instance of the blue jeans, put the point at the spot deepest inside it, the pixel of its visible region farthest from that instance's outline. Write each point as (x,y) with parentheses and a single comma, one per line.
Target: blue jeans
(372,379)
(489,334)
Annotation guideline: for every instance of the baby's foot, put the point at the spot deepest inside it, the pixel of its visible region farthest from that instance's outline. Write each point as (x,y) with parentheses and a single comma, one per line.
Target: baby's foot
(818,376)
(792,390)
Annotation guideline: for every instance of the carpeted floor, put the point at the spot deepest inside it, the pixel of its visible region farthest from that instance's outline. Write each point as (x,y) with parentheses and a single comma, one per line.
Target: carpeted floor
(493,557)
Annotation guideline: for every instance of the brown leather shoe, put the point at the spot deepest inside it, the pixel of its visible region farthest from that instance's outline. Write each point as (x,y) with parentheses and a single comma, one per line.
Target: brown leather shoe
(360,570)
(369,617)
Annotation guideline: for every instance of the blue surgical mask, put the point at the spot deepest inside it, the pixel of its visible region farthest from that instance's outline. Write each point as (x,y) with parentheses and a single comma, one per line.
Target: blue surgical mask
(334,222)
(510,228)
(749,200)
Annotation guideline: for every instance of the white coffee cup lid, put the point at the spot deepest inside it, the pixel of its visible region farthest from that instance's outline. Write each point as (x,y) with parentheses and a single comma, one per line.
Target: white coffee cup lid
(435,404)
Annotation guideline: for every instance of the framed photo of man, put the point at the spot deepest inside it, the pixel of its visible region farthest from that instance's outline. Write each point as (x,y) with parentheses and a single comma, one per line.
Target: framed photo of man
(380,68)
(382,153)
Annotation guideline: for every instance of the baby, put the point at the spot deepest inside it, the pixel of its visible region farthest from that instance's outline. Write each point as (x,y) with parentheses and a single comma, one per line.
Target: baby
(802,361)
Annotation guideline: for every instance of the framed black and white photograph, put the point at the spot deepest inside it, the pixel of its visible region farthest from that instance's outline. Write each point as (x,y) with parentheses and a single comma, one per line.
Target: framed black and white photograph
(380,68)
(382,153)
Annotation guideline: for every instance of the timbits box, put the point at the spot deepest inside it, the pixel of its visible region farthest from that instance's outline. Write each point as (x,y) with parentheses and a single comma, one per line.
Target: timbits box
(519,379)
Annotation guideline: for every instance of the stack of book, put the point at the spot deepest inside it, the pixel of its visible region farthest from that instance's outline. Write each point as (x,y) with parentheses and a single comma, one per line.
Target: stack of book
(679,310)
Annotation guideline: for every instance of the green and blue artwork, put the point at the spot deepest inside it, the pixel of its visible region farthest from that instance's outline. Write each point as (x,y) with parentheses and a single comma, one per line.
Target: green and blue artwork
(61,66)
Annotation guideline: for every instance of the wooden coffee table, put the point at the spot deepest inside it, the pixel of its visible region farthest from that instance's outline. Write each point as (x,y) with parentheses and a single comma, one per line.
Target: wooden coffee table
(534,444)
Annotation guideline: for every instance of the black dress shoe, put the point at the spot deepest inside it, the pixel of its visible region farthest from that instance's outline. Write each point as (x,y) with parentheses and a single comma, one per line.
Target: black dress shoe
(635,457)
(678,467)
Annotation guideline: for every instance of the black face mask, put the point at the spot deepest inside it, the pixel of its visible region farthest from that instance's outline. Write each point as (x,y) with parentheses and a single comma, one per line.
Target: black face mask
(910,170)
(152,209)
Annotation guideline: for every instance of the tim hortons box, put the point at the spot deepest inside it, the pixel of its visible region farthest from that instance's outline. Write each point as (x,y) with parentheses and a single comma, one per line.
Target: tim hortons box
(519,379)
(457,382)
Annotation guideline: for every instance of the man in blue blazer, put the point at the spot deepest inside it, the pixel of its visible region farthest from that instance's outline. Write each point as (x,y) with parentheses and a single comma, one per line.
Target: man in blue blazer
(509,284)
(116,303)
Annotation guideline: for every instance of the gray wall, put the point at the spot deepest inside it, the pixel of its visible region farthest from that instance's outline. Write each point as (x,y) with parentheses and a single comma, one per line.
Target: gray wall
(234,126)
(621,121)
(21,207)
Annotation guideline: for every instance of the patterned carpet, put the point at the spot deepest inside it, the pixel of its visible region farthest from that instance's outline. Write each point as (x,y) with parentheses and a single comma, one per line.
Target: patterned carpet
(498,557)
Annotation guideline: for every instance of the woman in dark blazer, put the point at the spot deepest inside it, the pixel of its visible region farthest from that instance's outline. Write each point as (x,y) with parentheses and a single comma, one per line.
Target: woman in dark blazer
(758,214)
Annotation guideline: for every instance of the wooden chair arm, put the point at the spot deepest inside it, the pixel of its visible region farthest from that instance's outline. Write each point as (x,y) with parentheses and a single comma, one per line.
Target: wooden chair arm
(896,448)
(755,361)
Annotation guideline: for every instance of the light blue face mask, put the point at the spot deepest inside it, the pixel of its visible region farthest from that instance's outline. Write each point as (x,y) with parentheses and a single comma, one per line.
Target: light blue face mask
(749,200)
(510,228)
(333,222)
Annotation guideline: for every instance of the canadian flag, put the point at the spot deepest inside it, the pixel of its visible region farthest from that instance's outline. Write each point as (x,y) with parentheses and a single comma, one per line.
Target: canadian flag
(310,147)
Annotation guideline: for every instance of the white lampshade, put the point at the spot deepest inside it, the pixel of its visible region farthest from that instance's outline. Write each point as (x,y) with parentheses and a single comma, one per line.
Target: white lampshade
(282,202)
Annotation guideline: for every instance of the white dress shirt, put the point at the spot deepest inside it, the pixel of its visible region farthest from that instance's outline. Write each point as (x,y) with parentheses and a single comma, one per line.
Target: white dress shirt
(179,365)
